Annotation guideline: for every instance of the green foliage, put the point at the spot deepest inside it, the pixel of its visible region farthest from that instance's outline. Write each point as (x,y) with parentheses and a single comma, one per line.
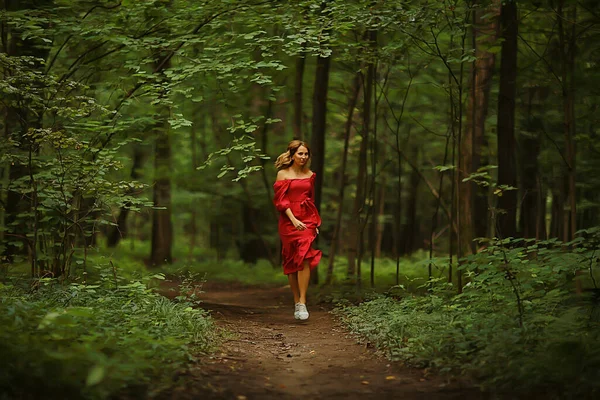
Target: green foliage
(217,77)
(95,341)
(245,146)
(64,177)
(517,325)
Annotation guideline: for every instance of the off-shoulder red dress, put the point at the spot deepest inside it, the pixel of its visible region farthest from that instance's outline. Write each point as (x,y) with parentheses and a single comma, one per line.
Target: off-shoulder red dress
(298,195)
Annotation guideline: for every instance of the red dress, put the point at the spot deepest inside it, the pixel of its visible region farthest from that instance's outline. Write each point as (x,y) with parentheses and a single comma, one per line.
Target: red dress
(298,195)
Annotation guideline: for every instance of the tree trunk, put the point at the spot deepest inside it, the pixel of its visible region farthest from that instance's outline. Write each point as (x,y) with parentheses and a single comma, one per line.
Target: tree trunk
(528,224)
(485,33)
(507,172)
(567,61)
(529,150)
(540,233)
(409,229)
(253,245)
(398,213)
(380,217)
(374,173)
(194,165)
(319,122)
(342,184)
(557,209)
(357,223)
(119,231)
(162,229)
(298,86)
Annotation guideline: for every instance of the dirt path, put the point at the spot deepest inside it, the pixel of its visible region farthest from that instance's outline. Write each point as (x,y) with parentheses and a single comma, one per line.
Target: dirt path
(273,356)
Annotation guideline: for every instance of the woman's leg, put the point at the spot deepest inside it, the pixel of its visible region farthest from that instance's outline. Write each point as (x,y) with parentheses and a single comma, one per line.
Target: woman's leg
(303,281)
(293,279)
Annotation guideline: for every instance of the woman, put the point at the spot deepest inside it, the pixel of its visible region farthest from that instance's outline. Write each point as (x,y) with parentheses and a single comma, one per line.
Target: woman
(298,220)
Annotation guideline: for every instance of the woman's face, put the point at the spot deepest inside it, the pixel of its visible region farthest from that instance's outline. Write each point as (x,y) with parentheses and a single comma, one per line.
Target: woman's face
(301,156)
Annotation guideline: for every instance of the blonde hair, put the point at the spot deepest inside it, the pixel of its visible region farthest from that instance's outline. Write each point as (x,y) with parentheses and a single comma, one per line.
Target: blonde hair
(285,160)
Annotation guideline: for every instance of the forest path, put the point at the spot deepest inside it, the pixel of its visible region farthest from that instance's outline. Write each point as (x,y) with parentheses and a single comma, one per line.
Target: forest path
(274,356)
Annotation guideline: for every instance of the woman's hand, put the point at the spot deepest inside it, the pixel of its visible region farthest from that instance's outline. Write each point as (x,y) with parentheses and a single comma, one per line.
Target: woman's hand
(299,225)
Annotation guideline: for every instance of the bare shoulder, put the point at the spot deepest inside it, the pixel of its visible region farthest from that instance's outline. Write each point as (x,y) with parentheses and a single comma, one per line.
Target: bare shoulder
(282,174)
(310,173)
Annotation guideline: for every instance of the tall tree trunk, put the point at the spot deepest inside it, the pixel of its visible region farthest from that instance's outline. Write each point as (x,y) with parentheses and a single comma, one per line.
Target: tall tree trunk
(507,172)
(319,123)
(374,173)
(540,232)
(568,46)
(485,32)
(194,165)
(357,223)
(529,177)
(529,150)
(298,92)
(162,229)
(342,185)
(379,219)
(409,230)
(118,232)
(398,213)
(557,209)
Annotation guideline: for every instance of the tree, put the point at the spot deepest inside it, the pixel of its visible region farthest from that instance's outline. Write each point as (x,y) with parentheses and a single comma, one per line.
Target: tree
(162,228)
(484,36)
(568,48)
(507,169)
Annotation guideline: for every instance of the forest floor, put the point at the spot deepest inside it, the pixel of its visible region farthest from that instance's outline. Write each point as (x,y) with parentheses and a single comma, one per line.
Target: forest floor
(270,355)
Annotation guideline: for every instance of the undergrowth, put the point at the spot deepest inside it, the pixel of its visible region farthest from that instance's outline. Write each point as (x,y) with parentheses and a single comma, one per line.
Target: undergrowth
(518,326)
(96,341)
(130,256)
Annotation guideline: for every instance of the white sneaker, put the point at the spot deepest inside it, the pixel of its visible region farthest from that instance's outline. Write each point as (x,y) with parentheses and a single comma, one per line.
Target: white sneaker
(302,311)
(296,311)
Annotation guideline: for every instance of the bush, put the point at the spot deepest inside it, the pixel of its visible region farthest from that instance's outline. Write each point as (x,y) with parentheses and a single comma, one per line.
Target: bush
(93,341)
(517,325)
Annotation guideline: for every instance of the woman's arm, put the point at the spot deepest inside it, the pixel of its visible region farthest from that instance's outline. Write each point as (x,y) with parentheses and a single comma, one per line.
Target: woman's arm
(281,201)
(297,223)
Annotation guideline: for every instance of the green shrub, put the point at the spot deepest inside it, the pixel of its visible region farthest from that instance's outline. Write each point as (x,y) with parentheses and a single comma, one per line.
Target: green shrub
(517,325)
(94,341)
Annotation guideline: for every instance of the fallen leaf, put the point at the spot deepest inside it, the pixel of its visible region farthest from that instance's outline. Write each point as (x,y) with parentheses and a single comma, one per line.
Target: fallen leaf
(241,397)
(390,378)
(365,382)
